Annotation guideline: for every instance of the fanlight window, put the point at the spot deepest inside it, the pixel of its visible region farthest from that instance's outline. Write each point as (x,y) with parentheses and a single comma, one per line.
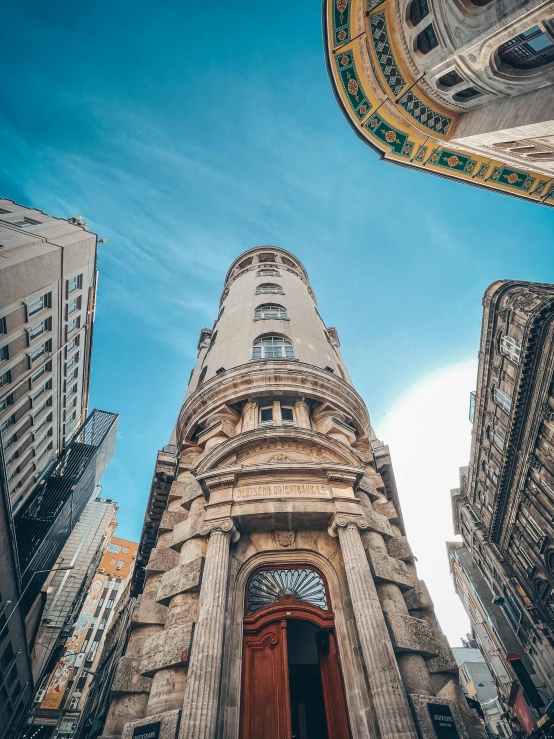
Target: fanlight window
(528,50)
(268,587)
(269,347)
(269,287)
(270,311)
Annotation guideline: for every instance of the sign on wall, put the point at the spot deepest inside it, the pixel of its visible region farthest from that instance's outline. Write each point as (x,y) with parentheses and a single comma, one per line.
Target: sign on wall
(282,490)
(443,721)
(147,731)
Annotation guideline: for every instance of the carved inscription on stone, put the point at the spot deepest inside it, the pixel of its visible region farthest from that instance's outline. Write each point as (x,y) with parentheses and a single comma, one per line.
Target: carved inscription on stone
(282,490)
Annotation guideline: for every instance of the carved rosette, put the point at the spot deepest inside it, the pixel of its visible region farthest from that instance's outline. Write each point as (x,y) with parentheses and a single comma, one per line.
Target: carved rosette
(220,526)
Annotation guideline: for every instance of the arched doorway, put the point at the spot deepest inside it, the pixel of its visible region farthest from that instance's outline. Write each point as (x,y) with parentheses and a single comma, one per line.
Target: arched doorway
(291,684)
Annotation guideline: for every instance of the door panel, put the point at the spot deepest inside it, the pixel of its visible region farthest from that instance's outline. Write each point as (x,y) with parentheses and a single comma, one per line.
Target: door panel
(333,689)
(265,700)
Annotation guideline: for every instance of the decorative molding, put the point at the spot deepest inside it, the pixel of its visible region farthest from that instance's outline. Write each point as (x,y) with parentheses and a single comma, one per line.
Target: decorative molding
(343,521)
(284,538)
(220,526)
(222,481)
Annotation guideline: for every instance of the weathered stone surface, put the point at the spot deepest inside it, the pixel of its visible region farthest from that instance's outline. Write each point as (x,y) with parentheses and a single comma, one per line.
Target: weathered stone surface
(180,579)
(377,522)
(369,485)
(148,611)
(467,728)
(411,634)
(127,677)
(188,490)
(166,649)
(418,599)
(386,509)
(186,530)
(162,559)
(170,519)
(169,721)
(400,548)
(445,661)
(389,569)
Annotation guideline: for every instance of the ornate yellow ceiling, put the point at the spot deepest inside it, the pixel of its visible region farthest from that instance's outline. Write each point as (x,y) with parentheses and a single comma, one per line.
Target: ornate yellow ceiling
(390,112)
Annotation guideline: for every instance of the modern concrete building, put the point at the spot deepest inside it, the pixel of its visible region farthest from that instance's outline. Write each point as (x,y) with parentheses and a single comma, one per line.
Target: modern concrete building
(52,453)
(279,593)
(504,508)
(65,686)
(457,88)
(478,685)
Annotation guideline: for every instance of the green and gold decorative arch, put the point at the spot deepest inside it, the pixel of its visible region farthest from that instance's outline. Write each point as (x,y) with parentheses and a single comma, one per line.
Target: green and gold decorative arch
(390,112)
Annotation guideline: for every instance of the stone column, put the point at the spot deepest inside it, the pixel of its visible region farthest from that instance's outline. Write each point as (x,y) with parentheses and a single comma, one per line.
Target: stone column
(204,673)
(389,698)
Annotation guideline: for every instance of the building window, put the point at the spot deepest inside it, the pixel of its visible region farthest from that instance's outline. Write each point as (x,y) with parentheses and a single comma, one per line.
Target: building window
(6,378)
(491,473)
(40,328)
(115,548)
(266,415)
(109,603)
(270,311)
(102,624)
(287,414)
(510,348)
(419,9)
(502,400)
(450,79)
(497,439)
(36,305)
(26,222)
(268,273)
(113,561)
(73,305)
(120,564)
(272,346)
(74,283)
(42,408)
(42,390)
(7,423)
(41,350)
(3,326)
(72,360)
(269,288)
(5,402)
(427,39)
(125,550)
(468,93)
(4,353)
(530,525)
(528,50)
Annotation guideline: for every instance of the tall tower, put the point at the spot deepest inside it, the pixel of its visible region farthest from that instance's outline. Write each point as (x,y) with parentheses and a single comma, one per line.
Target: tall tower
(281,598)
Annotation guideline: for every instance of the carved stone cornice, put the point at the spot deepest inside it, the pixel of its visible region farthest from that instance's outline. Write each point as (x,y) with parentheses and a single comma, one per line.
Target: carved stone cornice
(278,377)
(221,526)
(220,481)
(344,477)
(344,520)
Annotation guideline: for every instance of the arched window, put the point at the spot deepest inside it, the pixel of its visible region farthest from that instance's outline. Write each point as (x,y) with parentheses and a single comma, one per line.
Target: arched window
(270,310)
(268,587)
(269,288)
(528,50)
(427,39)
(418,10)
(271,346)
(468,93)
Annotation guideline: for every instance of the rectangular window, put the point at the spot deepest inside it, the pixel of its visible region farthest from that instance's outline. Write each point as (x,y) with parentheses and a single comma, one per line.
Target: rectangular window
(109,603)
(47,386)
(41,350)
(502,400)
(491,474)
(5,379)
(266,415)
(73,305)
(42,408)
(530,525)
(74,324)
(36,305)
(498,440)
(102,624)
(40,328)
(72,360)
(43,423)
(4,353)
(46,367)
(115,548)
(74,283)
(5,402)
(510,348)
(116,585)
(71,345)
(3,326)
(26,222)
(120,564)
(7,423)
(287,415)
(113,561)
(125,550)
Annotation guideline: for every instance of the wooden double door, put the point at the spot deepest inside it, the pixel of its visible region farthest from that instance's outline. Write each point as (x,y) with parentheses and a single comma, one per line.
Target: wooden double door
(292,685)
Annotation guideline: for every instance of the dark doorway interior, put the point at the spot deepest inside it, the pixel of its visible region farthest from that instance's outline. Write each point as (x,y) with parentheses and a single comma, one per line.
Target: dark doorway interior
(306,689)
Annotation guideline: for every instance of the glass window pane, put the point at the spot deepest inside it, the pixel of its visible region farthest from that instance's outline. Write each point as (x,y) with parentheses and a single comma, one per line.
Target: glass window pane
(539,43)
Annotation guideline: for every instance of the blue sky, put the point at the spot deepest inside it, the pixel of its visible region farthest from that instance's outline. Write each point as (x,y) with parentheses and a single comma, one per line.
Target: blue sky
(186,133)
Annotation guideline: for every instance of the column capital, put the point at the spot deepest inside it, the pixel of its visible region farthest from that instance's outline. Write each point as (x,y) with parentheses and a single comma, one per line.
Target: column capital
(221,526)
(345,520)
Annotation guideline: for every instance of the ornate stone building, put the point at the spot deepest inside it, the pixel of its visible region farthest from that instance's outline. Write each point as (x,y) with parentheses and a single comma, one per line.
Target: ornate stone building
(280,596)
(458,88)
(504,508)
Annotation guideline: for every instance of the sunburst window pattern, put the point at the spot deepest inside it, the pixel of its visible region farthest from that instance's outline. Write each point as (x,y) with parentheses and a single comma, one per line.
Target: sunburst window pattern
(270,586)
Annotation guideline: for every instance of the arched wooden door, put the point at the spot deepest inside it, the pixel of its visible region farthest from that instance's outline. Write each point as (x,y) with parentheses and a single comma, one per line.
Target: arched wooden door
(271,688)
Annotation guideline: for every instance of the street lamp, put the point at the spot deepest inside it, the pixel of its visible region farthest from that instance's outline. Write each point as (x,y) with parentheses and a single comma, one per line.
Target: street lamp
(37,572)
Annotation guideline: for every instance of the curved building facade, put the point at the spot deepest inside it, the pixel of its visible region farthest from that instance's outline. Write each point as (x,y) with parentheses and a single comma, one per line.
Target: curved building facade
(281,598)
(459,88)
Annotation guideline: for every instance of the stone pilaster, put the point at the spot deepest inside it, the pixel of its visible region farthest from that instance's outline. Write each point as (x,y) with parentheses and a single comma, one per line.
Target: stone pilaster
(389,698)
(202,691)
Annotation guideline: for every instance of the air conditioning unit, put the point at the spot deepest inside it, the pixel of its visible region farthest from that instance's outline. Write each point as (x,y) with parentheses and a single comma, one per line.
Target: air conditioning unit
(39,697)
